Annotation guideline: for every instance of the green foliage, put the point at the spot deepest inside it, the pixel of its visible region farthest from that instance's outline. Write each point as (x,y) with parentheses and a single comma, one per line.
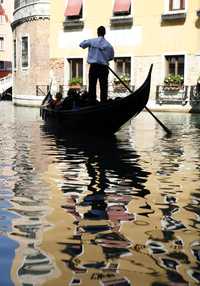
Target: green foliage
(174,79)
(124,77)
(76,81)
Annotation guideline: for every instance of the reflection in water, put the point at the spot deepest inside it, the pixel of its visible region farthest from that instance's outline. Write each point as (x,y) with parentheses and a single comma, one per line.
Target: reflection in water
(115,217)
(114,211)
(23,200)
(30,203)
(112,176)
(177,161)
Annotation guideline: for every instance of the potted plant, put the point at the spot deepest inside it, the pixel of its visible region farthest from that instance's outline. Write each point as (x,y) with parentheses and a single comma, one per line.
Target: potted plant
(173,82)
(75,82)
(117,84)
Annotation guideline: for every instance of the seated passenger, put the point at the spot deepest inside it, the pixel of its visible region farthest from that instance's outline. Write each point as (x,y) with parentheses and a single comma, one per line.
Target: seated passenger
(72,101)
(57,102)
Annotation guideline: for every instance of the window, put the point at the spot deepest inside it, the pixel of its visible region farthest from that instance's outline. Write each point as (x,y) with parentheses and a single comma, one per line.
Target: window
(15,54)
(73,15)
(122,7)
(2,11)
(2,17)
(175,65)
(121,14)
(17,4)
(8,66)
(174,10)
(1,43)
(25,51)
(175,5)
(123,66)
(73,9)
(1,65)
(20,3)
(76,68)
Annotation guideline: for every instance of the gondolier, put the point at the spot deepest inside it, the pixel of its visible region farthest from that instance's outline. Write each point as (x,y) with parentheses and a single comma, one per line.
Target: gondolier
(99,54)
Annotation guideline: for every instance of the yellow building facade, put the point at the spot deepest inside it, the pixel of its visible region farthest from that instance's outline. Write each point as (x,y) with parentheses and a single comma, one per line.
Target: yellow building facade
(165,33)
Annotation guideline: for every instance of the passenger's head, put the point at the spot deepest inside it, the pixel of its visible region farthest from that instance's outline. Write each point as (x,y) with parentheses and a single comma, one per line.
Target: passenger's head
(58,96)
(101,31)
(73,93)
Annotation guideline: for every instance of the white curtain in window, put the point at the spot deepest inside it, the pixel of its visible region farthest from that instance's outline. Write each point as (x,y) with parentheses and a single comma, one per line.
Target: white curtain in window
(176,4)
(1,43)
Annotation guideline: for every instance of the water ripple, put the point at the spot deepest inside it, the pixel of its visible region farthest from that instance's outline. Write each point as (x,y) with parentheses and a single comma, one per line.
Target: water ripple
(122,210)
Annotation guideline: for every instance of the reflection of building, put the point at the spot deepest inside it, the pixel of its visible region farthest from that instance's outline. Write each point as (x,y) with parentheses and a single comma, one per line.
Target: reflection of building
(6,10)
(31,265)
(165,34)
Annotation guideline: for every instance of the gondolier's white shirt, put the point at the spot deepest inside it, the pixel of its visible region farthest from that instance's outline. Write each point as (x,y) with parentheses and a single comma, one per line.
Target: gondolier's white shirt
(100,50)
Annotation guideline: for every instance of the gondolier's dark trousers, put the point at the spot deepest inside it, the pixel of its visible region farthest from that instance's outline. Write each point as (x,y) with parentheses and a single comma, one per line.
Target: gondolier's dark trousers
(98,72)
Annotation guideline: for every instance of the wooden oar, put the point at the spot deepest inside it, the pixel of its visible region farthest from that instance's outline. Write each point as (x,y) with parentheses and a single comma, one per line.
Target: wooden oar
(48,93)
(161,124)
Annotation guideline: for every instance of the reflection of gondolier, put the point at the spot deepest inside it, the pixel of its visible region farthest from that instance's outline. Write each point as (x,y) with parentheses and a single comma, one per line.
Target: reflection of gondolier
(99,54)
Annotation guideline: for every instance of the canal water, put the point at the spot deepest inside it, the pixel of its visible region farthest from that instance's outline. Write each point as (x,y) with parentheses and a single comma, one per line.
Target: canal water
(112,211)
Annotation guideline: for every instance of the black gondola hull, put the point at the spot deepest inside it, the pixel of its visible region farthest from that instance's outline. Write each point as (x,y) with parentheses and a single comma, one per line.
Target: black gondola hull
(106,118)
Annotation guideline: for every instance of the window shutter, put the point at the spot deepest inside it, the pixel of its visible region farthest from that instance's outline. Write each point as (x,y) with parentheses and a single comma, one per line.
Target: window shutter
(73,8)
(121,6)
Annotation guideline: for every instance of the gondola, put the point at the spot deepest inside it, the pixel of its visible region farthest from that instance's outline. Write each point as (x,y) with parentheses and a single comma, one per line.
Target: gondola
(102,118)
(6,95)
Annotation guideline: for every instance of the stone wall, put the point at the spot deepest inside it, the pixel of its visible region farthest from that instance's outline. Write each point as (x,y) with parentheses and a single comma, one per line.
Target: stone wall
(25,80)
(57,70)
(193,69)
(141,65)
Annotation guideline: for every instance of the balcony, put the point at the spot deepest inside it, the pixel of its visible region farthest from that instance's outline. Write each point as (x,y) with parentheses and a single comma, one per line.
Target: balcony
(172,94)
(30,10)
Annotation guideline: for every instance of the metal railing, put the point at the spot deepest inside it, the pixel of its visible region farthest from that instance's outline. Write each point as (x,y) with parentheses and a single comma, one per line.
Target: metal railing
(42,90)
(6,83)
(194,94)
(164,95)
(113,92)
(172,94)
